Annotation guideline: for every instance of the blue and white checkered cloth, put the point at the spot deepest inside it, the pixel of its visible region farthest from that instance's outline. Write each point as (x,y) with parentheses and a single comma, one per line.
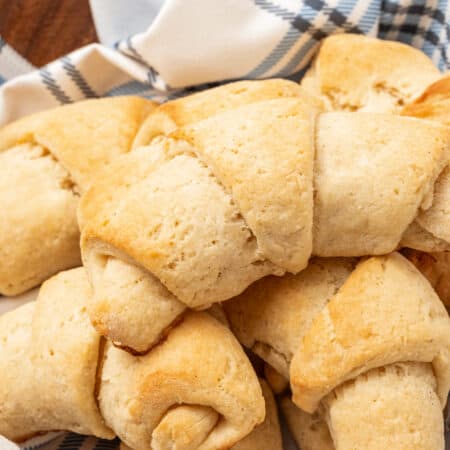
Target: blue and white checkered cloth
(178,46)
(162,49)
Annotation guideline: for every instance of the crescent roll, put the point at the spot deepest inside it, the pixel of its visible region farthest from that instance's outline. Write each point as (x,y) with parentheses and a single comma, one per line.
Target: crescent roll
(434,104)
(196,389)
(247,193)
(358,73)
(267,435)
(196,107)
(373,363)
(46,161)
(352,72)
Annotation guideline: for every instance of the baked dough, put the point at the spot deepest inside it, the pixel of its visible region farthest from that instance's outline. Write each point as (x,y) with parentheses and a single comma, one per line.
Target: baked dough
(265,436)
(196,107)
(434,104)
(272,315)
(389,402)
(56,373)
(377,354)
(436,268)
(353,72)
(310,431)
(49,354)
(359,73)
(250,192)
(46,161)
(268,434)
(391,315)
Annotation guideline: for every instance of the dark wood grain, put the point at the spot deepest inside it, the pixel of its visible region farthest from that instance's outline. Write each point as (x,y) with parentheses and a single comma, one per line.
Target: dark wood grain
(43,30)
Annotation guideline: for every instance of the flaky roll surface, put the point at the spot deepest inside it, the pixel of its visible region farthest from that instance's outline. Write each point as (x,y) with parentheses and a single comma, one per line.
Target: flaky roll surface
(196,107)
(360,73)
(200,363)
(84,136)
(267,435)
(397,404)
(256,191)
(434,104)
(198,241)
(39,234)
(393,407)
(48,363)
(376,355)
(385,312)
(436,268)
(46,161)
(196,389)
(272,315)
(381,173)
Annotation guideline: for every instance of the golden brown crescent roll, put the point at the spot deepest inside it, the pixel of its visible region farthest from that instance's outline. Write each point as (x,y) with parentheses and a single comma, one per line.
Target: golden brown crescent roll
(271,316)
(46,161)
(196,389)
(397,405)
(376,355)
(436,219)
(434,104)
(113,311)
(199,376)
(247,193)
(359,73)
(49,356)
(392,315)
(202,242)
(267,435)
(196,107)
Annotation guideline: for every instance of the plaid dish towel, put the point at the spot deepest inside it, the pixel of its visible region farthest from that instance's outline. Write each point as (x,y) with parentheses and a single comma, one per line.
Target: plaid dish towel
(163,49)
(177,46)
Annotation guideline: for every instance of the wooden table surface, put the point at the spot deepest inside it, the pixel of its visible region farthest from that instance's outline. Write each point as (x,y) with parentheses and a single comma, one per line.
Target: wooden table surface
(43,30)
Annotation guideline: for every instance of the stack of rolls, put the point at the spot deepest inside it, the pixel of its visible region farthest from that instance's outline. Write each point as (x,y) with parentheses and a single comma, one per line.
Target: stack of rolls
(308,224)
(362,74)
(58,374)
(365,347)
